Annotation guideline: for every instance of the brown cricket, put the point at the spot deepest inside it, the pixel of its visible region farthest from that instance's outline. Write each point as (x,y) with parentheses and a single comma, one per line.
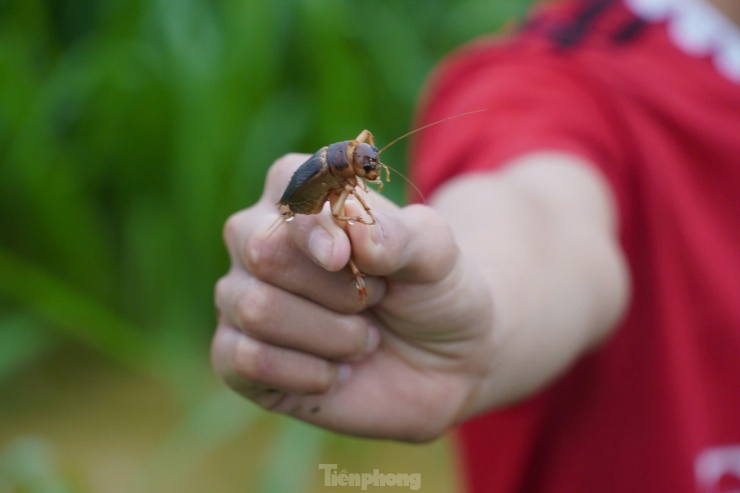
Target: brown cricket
(332,174)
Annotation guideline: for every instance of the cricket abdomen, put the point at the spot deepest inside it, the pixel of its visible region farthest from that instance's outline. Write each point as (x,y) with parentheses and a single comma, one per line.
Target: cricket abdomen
(310,185)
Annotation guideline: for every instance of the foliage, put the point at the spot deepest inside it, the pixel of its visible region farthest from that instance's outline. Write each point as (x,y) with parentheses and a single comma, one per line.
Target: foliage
(129,131)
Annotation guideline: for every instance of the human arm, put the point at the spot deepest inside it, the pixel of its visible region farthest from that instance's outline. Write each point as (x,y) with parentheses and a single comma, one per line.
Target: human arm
(474,302)
(543,234)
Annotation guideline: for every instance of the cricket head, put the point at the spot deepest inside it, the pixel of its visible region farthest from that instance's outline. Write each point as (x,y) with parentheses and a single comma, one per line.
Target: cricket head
(365,162)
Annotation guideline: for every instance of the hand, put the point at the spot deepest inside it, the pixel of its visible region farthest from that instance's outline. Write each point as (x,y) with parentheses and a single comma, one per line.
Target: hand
(294,337)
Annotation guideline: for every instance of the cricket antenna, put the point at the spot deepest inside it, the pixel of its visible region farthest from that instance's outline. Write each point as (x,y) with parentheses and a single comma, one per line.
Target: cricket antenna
(427,126)
(285,216)
(405,178)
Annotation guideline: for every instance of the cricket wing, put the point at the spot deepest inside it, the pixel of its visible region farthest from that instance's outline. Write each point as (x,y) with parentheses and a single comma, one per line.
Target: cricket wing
(310,186)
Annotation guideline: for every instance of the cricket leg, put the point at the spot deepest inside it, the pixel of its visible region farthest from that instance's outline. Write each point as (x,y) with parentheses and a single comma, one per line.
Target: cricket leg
(337,207)
(359,278)
(366,207)
(366,135)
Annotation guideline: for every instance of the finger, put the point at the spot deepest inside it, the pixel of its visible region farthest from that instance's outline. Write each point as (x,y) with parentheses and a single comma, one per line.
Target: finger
(277,259)
(276,317)
(430,287)
(322,239)
(259,241)
(412,244)
(252,367)
(319,235)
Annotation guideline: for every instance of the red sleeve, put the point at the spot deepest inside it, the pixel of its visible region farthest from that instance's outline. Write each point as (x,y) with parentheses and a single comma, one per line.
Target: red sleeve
(534,100)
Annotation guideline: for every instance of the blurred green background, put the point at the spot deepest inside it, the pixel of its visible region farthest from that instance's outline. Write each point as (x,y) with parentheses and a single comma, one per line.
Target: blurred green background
(129,131)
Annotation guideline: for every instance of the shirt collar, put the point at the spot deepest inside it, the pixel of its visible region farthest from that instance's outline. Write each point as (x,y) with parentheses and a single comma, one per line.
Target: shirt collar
(697,28)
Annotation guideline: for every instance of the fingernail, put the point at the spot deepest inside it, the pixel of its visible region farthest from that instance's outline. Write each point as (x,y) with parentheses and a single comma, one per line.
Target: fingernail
(321,245)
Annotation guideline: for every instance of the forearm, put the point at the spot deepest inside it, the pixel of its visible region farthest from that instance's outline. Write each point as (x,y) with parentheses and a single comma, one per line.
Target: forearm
(542,235)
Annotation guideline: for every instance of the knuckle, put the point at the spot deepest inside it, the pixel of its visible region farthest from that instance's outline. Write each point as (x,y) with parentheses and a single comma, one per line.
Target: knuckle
(253,308)
(265,258)
(324,376)
(250,361)
(231,227)
(284,166)
(222,351)
(276,171)
(353,336)
(255,255)
(325,381)
(222,291)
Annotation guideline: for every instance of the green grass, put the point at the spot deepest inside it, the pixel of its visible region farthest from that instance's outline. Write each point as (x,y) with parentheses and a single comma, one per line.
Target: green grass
(130,130)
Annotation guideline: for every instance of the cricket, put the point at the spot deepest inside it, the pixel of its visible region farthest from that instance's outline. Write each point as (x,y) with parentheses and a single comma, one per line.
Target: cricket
(334,173)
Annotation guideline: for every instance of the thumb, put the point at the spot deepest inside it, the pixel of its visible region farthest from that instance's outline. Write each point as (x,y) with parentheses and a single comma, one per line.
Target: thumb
(410,244)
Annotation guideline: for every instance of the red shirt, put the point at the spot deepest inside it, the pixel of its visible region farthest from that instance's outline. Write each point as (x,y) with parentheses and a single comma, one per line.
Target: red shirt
(657,407)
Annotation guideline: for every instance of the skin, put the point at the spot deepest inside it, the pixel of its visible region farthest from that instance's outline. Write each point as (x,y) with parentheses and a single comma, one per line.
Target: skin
(474,301)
